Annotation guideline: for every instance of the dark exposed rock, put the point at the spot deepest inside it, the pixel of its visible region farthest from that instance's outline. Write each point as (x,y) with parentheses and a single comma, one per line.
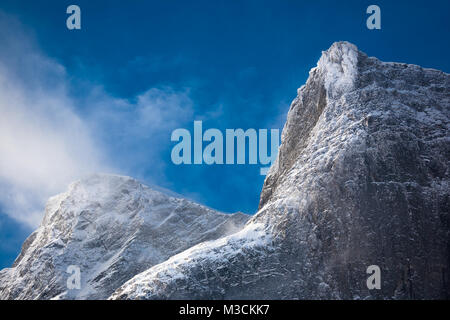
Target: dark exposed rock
(362,178)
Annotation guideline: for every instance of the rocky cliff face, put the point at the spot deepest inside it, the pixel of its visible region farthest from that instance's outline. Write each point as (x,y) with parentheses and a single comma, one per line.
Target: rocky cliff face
(112,228)
(362,178)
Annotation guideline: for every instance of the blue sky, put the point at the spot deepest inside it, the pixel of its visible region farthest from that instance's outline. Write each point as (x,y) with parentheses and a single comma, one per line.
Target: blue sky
(107,97)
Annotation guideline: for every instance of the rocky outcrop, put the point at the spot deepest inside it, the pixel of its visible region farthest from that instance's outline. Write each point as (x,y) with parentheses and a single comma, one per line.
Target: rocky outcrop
(362,178)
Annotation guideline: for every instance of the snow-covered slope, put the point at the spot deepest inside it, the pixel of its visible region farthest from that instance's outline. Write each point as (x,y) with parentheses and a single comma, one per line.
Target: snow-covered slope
(112,228)
(362,178)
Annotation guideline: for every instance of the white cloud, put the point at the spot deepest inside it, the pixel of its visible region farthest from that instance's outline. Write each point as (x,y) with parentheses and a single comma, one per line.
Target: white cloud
(44,142)
(137,132)
(43,146)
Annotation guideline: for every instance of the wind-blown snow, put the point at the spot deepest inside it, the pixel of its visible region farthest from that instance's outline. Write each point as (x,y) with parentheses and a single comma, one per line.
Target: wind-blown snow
(339,65)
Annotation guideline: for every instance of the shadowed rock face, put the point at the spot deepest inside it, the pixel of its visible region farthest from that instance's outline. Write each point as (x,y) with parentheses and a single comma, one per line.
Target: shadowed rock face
(362,178)
(112,228)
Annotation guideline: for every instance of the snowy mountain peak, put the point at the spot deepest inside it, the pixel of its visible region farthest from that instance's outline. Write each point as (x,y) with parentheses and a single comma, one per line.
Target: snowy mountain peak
(95,189)
(111,227)
(339,67)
